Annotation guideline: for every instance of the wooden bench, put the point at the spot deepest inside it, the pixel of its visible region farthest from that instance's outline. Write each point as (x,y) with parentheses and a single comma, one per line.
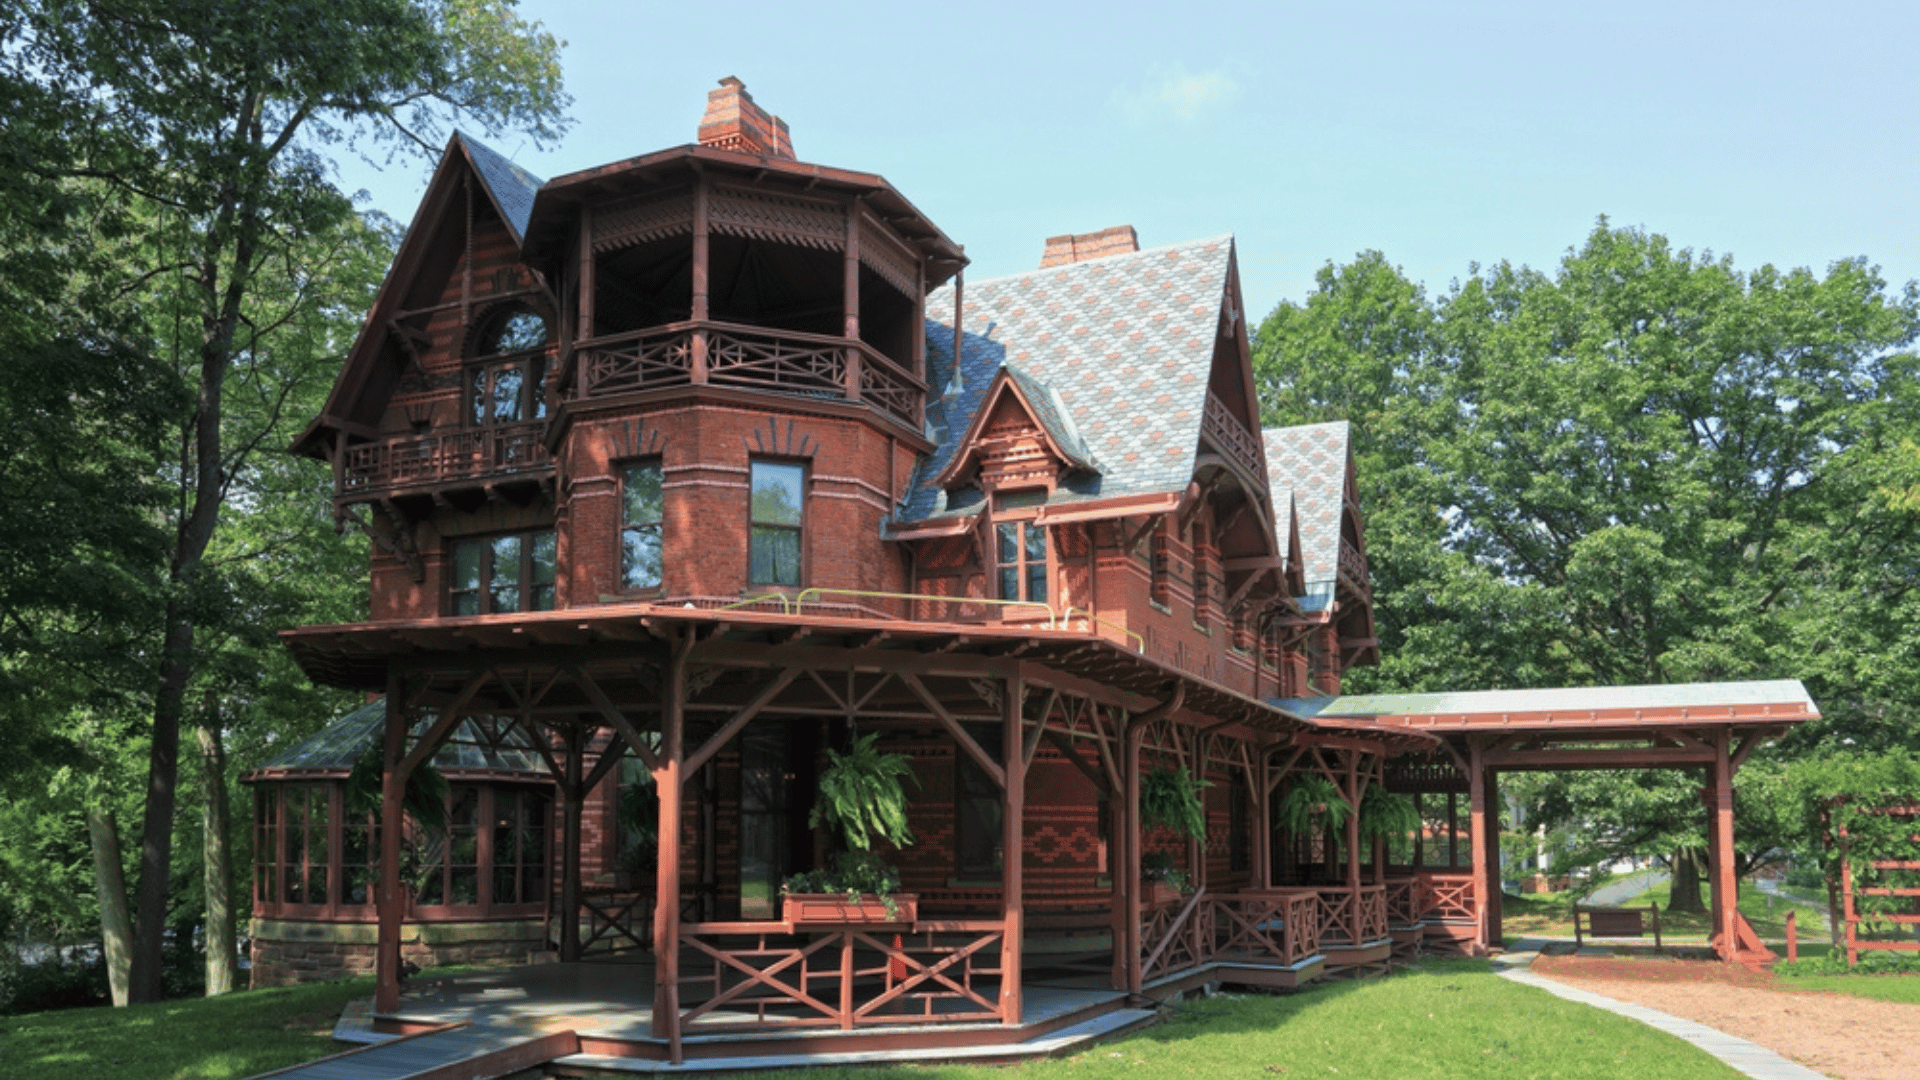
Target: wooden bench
(1616,922)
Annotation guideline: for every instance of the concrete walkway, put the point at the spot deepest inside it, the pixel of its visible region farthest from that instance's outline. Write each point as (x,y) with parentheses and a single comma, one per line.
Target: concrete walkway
(1621,890)
(1750,1058)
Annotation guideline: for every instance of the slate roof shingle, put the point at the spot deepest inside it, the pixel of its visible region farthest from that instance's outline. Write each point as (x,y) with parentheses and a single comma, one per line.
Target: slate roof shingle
(1124,342)
(1311,461)
(513,187)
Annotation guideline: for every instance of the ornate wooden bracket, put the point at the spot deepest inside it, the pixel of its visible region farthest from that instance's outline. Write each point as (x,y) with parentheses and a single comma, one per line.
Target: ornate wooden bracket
(391,533)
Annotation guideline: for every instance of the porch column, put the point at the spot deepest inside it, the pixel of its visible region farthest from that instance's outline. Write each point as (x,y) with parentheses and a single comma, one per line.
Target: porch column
(571,797)
(1496,904)
(1477,836)
(1012,847)
(1136,733)
(1261,807)
(1353,847)
(850,301)
(666,897)
(386,994)
(1726,888)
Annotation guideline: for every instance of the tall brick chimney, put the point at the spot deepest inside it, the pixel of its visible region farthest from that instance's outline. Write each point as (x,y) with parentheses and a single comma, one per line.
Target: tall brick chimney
(1118,240)
(734,122)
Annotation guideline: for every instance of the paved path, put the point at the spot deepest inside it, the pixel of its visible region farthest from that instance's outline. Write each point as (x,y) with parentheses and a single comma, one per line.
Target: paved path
(1750,1058)
(1621,890)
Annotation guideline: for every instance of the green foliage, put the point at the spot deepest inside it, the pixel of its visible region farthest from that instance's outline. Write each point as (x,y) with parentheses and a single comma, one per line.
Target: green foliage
(1872,962)
(862,796)
(1386,813)
(851,873)
(1170,797)
(1159,866)
(1312,804)
(424,798)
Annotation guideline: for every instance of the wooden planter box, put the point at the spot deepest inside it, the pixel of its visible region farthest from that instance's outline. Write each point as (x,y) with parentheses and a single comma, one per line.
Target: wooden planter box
(1159,894)
(833,909)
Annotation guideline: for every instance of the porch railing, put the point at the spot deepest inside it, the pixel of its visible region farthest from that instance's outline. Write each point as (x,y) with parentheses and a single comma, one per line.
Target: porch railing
(1445,896)
(1266,927)
(744,976)
(726,354)
(1174,939)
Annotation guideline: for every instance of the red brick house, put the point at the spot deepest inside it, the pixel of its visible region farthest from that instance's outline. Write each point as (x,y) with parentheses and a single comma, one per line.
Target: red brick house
(693,465)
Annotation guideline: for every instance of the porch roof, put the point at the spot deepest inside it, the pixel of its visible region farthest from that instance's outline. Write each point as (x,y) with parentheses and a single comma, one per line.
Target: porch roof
(357,656)
(1779,701)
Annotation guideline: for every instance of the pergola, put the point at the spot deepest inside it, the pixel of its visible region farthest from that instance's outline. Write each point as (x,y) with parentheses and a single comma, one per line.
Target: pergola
(1708,726)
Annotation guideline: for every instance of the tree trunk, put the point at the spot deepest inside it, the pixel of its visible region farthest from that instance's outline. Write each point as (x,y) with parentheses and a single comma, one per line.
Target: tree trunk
(110,886)
(1686,883)
(156,830)
(222,944)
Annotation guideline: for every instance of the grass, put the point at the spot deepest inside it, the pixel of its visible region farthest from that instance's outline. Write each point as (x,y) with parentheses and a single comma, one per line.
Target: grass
(1443,1019)
(1551,915)
(1904,989)
(223,1038)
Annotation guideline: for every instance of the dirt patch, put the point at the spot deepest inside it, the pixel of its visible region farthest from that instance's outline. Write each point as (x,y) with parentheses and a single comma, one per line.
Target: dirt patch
(1846,1038)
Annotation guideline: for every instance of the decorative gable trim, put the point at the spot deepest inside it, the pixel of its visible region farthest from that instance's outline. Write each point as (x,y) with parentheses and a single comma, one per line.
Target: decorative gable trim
(1008,445)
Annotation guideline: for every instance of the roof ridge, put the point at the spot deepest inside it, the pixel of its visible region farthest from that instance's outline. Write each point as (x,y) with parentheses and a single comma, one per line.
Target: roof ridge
(1107,260)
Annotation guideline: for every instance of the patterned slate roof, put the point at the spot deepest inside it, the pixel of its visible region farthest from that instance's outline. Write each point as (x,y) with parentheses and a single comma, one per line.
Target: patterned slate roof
(1051,413)
(1554,699)
(1311,461)
(338,745)
(513,187)
(1126,344)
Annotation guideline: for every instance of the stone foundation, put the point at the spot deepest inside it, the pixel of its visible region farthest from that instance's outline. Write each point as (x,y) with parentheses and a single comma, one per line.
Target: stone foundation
(286,952)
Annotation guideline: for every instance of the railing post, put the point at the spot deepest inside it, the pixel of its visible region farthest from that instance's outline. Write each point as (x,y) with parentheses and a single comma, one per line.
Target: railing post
(701,309)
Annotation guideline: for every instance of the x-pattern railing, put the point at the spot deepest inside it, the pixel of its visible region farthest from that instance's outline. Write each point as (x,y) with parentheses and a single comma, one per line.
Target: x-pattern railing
(1267,926)
(840,976)
(1446,896)
(1173,940)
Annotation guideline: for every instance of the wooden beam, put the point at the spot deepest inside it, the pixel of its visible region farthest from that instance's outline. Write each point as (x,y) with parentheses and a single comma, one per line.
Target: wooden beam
(732,727)
(614,717)
(980,757)
(449,717)
(1597,758)
(1032,742)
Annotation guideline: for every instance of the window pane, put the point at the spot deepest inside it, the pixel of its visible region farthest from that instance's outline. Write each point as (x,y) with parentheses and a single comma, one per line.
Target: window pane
(504,591)
(508,382)
(1009,546)
(1036,544)
(467,559)
(545,566)
(513,332)
(777,495)
(640,485)
(775,556)
(1009,583)
(1036,563)
(640,557)
(477,398)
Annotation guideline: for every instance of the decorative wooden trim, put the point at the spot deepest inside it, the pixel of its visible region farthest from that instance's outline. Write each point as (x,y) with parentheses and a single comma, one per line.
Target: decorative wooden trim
(638,221)
(758,215)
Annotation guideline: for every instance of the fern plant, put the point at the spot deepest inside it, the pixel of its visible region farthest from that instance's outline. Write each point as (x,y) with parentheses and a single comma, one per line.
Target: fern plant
(862,795)
(1313,803)
(1170,797)
(1385,813)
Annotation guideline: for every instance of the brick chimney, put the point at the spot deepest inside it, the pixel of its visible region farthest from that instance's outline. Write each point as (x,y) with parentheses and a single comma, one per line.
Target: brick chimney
(734,122)
(1118,240)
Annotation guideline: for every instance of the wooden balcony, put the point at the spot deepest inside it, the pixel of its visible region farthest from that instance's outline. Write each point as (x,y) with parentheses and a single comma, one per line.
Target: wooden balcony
(1353,568)
(433,462)
(748,357)
(1231,437)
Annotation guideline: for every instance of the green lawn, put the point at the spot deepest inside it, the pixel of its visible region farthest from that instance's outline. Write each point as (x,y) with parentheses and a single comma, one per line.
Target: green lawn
(221,1038)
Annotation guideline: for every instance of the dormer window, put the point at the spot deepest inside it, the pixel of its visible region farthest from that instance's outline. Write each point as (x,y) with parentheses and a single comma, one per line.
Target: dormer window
(1020,551)
(505,386)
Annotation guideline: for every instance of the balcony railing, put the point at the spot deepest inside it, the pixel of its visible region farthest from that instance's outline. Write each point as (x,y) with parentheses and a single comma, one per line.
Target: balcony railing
(1353,565)
(1226,432)
(436,459)
(724,354)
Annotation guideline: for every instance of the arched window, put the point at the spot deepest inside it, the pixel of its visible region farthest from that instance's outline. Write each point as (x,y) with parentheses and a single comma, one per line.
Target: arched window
(504,387)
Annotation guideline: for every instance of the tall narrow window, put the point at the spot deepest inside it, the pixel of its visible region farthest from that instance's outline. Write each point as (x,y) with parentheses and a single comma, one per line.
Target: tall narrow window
(773,556)
(977,833)
(504,573)
(1021,553)
(766,777)
(640,526)
(509,391)
(519,847)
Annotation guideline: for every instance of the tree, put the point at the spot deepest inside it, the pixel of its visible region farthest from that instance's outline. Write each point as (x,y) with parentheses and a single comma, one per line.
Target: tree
(216,117)
(1647,466)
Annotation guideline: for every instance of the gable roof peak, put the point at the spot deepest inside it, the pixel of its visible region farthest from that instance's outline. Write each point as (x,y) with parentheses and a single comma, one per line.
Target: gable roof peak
(510,187)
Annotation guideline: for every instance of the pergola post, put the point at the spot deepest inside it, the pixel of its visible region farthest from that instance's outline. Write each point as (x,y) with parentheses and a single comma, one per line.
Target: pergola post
(1496,915)
(386,994)
(667,778)
(1353,847)
(1726,888)
(572,796)
(1477,836)
(1012,846)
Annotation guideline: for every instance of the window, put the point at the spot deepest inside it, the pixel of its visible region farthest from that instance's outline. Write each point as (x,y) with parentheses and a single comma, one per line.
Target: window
(291,836)
(519,847)
(503,573)
(773,556)
(1022,557)
(509,391)
(977,832)
(640,527)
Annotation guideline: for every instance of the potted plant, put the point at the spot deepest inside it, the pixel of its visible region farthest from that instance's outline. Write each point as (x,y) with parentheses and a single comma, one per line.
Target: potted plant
(862,798)
(1169,797)
(1384,813)
(1313,804)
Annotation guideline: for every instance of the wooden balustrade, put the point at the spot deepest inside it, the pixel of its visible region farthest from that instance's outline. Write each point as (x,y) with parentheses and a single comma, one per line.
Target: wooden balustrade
(1174,939)
(433,459)
(1267,927)
(1446,896)
(1225,431)
(1354,565)
(744,976)
(726,354)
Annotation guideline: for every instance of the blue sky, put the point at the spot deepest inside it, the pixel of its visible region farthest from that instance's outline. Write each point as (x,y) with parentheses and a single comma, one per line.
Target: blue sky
(1438,133)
